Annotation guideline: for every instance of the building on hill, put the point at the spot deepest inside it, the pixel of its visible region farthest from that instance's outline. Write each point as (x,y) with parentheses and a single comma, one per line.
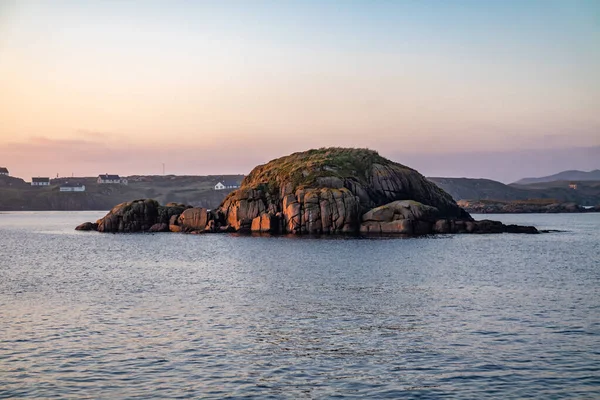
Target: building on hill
(40,181)
(222,185)
(72,187)
(3,171)
(111,179)
(573,186)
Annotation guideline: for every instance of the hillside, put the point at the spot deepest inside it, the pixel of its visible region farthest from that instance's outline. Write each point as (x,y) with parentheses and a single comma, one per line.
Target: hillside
(586,194)
(572,175)
(17,195)
(7,182)
(467,188)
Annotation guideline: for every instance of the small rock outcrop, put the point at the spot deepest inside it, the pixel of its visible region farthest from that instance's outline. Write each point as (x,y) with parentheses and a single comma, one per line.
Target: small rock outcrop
(144,215)
(87,226)
(401,216)
(324,191)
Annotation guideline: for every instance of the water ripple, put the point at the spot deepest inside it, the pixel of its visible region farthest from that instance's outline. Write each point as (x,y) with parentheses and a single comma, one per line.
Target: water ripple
(183,316)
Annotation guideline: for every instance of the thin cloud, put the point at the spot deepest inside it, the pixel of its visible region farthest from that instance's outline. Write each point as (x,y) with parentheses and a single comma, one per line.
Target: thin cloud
(94,135)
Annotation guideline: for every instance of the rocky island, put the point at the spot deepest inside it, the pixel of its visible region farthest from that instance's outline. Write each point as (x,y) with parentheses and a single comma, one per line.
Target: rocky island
(322,191)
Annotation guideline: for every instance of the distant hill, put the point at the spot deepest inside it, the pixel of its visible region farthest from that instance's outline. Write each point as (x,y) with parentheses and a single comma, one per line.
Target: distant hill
(12,182)
(471,189)
(504,166)
(586,194)
(572,175)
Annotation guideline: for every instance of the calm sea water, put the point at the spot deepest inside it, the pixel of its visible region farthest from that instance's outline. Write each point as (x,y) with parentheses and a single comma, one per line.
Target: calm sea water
(88,315)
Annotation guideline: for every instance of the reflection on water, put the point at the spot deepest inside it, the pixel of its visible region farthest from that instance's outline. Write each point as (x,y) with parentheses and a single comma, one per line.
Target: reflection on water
(171,315)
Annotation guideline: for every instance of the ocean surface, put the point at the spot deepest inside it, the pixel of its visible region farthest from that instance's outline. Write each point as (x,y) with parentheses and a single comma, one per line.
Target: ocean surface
(89,315)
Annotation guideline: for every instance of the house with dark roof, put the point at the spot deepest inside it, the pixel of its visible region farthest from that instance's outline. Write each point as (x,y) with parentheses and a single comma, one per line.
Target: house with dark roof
(72,187)
(222,185)
(111,179)
(3,171)
(40,181)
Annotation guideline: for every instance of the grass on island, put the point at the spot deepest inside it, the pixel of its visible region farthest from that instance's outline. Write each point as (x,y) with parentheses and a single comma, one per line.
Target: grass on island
(303,168)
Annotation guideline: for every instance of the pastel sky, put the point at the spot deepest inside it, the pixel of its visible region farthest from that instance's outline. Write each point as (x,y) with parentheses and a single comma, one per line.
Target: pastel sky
(88,87)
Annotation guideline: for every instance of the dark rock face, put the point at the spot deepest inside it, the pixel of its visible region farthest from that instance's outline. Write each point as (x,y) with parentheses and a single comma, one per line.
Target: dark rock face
(160,227)
(267,223)
(326,191)
(139,216)
(133,216)
(520,229)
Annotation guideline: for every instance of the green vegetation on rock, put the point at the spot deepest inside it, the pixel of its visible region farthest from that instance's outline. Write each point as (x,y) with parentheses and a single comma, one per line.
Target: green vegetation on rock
(302,169)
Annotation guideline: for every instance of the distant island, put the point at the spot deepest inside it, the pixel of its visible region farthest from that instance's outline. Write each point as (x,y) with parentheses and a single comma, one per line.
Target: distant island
(572,175)
(321,191)
(539,206)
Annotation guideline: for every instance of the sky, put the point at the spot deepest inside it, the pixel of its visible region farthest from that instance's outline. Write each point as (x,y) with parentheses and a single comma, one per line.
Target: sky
(452,88)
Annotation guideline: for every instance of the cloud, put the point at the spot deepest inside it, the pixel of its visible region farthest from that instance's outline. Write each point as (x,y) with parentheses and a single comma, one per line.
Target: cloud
(96,135)
(91,155)
(504,166)
(43,156)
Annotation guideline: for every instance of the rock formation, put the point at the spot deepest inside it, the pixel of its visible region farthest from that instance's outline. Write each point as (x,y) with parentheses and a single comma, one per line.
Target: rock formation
(330,191)
(144,215)
(325,191)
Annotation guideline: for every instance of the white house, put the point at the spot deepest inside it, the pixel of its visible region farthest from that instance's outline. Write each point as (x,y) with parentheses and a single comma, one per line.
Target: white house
(106,178)
(40,181)
(227,185)
(3,171)
(72,187)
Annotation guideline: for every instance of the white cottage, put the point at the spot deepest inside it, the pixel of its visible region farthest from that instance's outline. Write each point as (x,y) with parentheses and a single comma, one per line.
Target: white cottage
(111,179)
(72,187)
(227,185)
(40,181)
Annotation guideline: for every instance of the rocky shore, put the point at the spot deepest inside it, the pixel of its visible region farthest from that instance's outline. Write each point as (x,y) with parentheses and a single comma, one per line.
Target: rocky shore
(324,191)
(542,206)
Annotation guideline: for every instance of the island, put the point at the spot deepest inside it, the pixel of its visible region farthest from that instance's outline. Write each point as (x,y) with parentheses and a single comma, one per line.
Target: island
(316,192)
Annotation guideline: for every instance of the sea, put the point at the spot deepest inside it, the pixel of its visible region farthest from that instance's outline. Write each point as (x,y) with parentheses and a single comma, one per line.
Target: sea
(85,315)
